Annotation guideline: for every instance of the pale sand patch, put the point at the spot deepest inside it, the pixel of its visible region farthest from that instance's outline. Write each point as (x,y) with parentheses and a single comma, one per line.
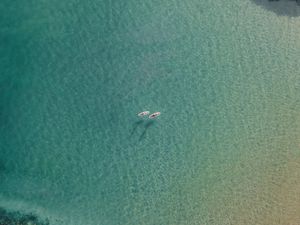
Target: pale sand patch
(287,212)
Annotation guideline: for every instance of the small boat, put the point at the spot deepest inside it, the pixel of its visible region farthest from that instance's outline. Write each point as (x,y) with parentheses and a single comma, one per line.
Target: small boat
(145,113)
(154,115)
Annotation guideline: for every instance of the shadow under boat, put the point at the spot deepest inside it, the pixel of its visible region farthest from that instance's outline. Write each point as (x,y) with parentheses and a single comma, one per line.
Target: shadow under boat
(147,126)
(135,126)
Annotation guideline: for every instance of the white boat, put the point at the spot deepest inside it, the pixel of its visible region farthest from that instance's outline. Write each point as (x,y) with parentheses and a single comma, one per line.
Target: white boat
(145,113)
(154,115)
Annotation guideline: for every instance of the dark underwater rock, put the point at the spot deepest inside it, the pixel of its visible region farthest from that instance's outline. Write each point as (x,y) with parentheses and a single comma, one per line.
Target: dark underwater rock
(289,8)
(16,218)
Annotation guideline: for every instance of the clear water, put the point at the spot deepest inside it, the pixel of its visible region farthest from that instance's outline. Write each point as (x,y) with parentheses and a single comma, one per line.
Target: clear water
(224,74)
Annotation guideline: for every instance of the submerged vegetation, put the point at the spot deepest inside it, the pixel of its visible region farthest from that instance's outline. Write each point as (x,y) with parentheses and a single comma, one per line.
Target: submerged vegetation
(16,218)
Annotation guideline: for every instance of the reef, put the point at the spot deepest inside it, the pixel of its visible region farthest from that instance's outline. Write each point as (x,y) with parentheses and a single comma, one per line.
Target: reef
(17,218)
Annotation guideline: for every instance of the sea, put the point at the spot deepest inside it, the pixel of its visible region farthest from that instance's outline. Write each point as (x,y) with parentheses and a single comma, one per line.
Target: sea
(225,76)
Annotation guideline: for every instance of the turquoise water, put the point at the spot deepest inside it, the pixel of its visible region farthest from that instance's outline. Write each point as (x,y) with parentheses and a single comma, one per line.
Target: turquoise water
(224,75)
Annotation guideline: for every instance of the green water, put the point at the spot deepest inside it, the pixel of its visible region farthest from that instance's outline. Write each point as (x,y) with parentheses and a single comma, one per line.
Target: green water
(224,74)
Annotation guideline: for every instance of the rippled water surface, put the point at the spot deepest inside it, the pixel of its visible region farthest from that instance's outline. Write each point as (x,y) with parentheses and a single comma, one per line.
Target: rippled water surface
(225,76)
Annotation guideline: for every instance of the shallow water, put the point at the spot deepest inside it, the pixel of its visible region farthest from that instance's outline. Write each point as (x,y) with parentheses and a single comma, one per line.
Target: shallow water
(224,75)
